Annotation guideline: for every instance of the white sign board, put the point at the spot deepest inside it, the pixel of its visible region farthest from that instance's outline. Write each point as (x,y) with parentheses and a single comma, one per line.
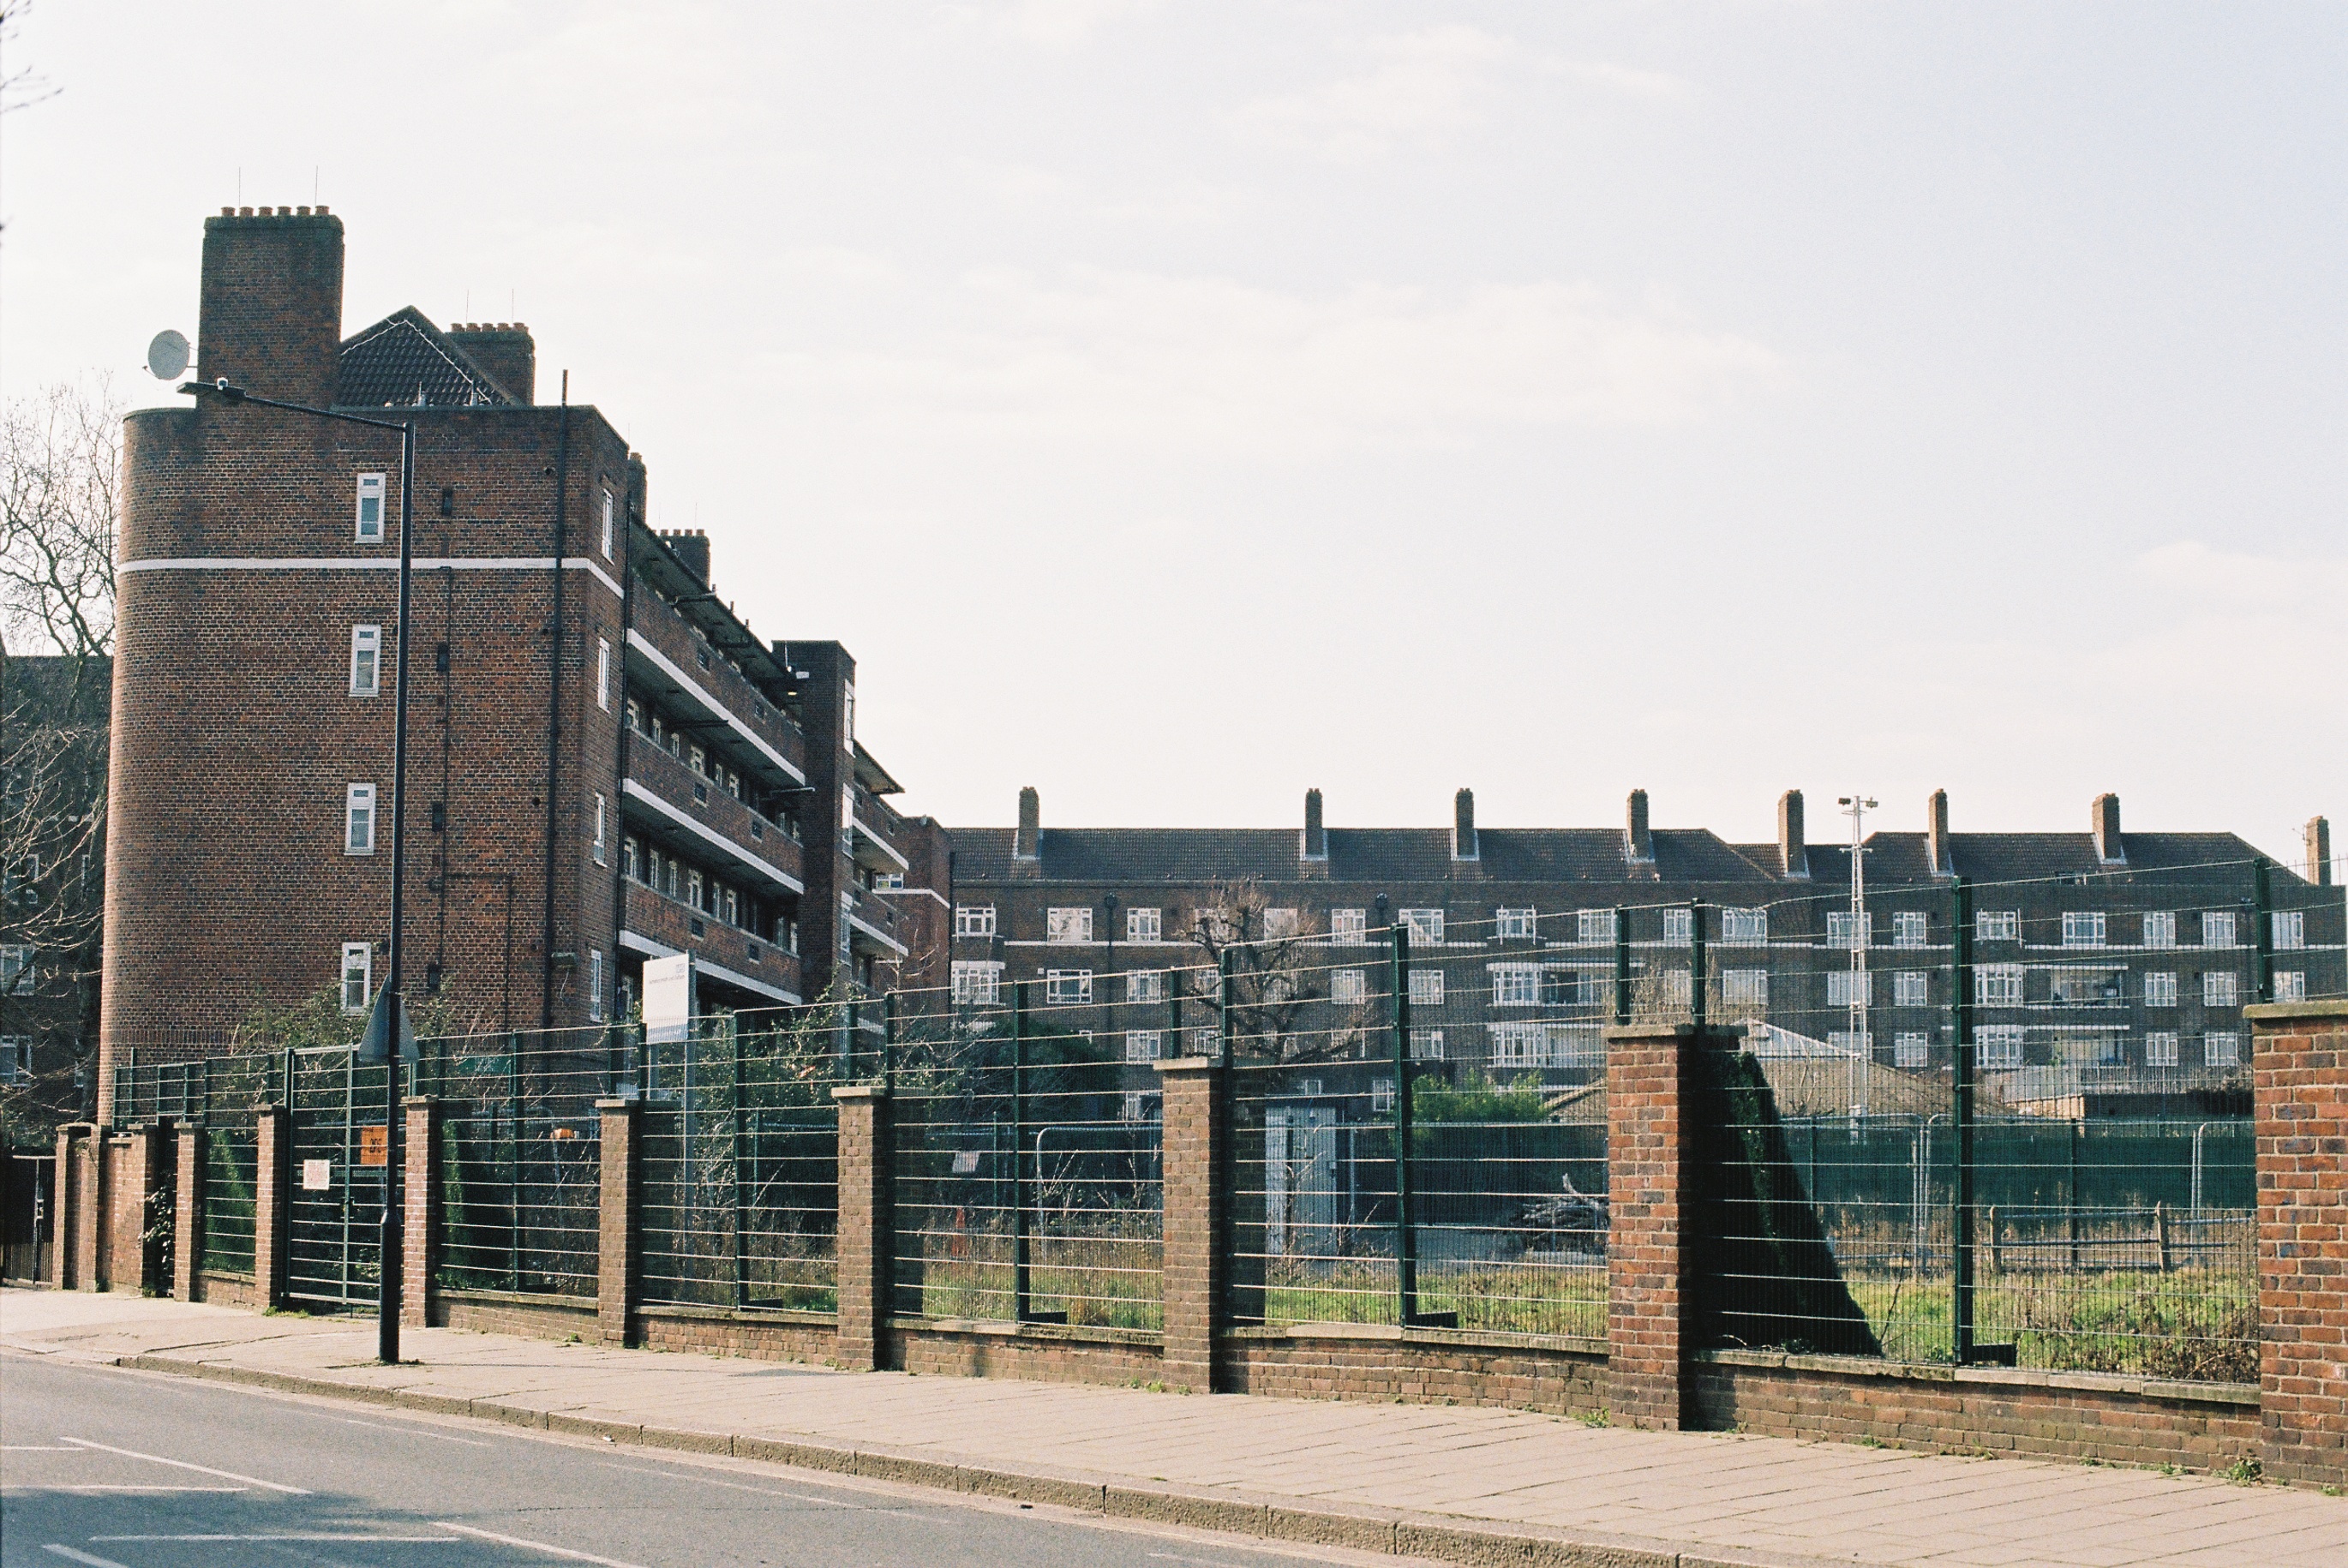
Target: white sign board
(317,1175)
(668,999)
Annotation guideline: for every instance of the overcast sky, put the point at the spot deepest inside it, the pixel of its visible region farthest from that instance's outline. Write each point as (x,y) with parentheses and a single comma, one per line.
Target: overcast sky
(1175,406)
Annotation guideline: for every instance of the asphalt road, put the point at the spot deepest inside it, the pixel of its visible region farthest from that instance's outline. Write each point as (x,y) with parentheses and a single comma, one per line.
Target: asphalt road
(118,1470)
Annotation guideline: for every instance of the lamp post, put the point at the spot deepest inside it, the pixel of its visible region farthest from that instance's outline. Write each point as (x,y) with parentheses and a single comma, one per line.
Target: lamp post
(391,1002)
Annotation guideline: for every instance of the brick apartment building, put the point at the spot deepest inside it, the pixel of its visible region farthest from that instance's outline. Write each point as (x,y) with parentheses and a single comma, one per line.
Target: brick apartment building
(604,762)
(2100,955)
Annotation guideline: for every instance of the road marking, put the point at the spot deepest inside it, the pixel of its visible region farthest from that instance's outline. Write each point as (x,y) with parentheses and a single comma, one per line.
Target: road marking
(410,1431)
(36,1449)
(370,1539)
(78,1487)
(199,1470)
(535,1545)
(70,1556)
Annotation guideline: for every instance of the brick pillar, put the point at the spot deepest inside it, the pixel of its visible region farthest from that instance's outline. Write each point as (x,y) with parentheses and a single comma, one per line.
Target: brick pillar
(1648,1160)
(616,1236)
(419,1216)
(273,1140)
(2299,1074)
(866,1268)
(1190,1269)
(135,1179)
(89,1215)
(187,1213)
(65,1189)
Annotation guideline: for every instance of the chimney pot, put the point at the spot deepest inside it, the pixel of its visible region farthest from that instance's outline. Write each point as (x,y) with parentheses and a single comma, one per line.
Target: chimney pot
(2319,852)
(1463,826)
(1638,843)
(1025,845)
(1315,844)
(1793,849)
(1936,817)
(2105,823)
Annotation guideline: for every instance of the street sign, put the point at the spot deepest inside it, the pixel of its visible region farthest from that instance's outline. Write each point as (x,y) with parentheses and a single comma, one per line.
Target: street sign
(317,1175)
(374,1146)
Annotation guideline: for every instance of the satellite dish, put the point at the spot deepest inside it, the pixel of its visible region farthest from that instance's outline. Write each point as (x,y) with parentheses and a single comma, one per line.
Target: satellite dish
(167,356)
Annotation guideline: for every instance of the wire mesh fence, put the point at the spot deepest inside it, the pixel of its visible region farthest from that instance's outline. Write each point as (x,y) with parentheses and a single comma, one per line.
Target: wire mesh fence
(520,1157)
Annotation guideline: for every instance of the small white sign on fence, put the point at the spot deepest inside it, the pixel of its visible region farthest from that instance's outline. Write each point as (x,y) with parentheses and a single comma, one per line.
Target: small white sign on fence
(317,1175)
(668,999)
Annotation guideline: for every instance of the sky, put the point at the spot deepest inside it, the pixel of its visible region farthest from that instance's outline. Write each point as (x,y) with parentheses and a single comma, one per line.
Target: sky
(1174,406)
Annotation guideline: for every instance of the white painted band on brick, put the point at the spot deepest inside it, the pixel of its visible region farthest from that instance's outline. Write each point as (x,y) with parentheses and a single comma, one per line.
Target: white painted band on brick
(364,563)
(701,695)
(635,791)
(856,825)
(638,942)
(882,938)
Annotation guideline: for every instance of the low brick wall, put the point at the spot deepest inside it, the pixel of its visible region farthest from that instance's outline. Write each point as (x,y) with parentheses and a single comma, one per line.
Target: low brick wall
(1977,1410)
(224,1289)
(508,1312)
(1418,1366)
(1034,1352)
(809,1337)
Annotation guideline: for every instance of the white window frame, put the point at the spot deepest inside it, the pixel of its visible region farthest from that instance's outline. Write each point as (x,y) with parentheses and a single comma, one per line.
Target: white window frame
(366,658)
(1575,1045)
(2160,988)
(2219,929)
(1849,987)
(16,1059)
(1515,924)
(1282,925)
(2083,928)
(604,673)
(375,488)
(601,843)
(1067,988)
(1997,925)
(360,807)
(1143,924)
(364,954)
(1998,1045)
(2160,1048)
(1515,984)
(1425,987)
(2221,988)
(1426,1044)
(976,981)
(1349,927)
(1911,988)
(1382,1095)
(1911,928)
(1594,927)
(1068,922)
(1518,1044)
(1745,928)
(16,963)
(1848,1042)
(1911,1049)
(1349,987)
(1745,987)
(1998,985)
(594,985)
(609,519)
(1425,926)
(2221,1048)
(1144,1045)
(1679,927)
(2290,928)
(2291,986)
(2160,928)
(1842,926)
(974,920)
(1144,986)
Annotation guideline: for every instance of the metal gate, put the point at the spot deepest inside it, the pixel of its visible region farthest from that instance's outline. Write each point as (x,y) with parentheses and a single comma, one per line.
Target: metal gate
(333,1251)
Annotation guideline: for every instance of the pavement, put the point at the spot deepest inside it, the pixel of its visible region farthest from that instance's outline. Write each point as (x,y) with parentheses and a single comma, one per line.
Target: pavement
(1450,1484)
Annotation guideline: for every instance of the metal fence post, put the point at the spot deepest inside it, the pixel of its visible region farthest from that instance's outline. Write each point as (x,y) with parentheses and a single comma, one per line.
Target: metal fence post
(1406,1238)
(1697,1011)
(2262,928)
(888,1041)
(733,1128)
(2071,1192)
(1621,964)
(1960,1116)
(1019,1150)
(514,1136)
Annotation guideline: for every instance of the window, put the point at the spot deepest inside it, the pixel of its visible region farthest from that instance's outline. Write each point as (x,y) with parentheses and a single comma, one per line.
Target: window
(1911,928)
(16,1057)
(1518,1045)
(1911,1049)
(1349,927)
(366,661)
(2219,989)
(2160,1048)
(1278,923)
(358,820)
(974,920)
(15,966)
(1073,923)
(2291,986)
(1349,987)
(1745,927)
(2160,928)
(1676,989)
(2089,1047)
(1067,988)
(2217,930)
(2221,1048)
(604,673)
(602,813)
(595,984)
(1135,1105)
(1381,1094)
(977,982)
(1576,1045)
(2084,987)
(2290,931)
(1592,926)
(1847,988)
(1997,925)
(370,509)
(2082,928)
(1142,1044)
(1997,986)
(1515,984)
(1514,924)
(692,888)
(1677,925)
(1426,925)
(1425,987)
(1998,1045)
(1208,1040)
(1745,987)
(607,524)
(1910,988)
(1426,1044)
(1847,930)
(358,968)
(1572,987)
(2160,989)
(696,758)
(1144,924)
(1846,1043)
(1144,986)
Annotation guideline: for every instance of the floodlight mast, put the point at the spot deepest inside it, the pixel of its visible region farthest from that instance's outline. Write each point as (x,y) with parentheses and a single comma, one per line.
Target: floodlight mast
(1856,807)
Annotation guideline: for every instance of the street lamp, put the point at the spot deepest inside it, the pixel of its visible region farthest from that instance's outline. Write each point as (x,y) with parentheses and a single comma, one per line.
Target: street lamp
(391,1013)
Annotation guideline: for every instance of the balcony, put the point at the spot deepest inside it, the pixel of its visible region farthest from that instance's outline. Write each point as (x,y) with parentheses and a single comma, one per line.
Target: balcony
(657,927)
(873,926)
(871,827)
(668,658)
(672,803)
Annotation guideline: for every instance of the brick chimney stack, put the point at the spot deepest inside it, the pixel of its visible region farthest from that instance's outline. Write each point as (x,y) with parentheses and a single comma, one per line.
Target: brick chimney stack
(1638,843)
(1793,851)
(1026,858)
(1936,834)
(2106,830)
(2319,852)
(692,547)
(271,312)
(1313,849)
(1463,826)
(505,350)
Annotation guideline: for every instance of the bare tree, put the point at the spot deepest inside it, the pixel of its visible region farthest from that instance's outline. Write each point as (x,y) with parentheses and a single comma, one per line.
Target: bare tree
(60,491)
(1280,976)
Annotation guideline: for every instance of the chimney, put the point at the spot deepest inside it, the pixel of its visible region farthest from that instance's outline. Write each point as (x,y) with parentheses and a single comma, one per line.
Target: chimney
(2106,830)
(1638,843)
(1023,847)
(1315,846)
(1463,826)
(1793,851)
(271,314)
(1936,834)
(692,547)
(504,349)
(2319,852)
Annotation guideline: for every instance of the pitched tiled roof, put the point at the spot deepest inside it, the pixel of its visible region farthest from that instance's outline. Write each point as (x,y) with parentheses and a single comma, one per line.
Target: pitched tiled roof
(2019,857)
(405,362)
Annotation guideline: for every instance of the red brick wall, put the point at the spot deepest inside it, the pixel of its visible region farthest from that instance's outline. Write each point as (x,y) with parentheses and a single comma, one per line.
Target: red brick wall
(1192,1281)
(530,1316)
(863,1255)
(1425,1367)
(2298,1072)
(1033,1352)
(806,1336)
(1646,1251)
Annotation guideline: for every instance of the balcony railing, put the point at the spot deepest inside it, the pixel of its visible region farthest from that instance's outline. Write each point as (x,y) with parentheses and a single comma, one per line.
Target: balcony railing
(680,661)
(656,921)
(682,805)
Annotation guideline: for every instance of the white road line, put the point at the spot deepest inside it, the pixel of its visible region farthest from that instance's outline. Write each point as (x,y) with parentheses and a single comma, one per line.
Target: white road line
(80,1486)
(70,1556)
(370,1539)
(199,1470)
(36,1449)
(410,1431)
(536,1546)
